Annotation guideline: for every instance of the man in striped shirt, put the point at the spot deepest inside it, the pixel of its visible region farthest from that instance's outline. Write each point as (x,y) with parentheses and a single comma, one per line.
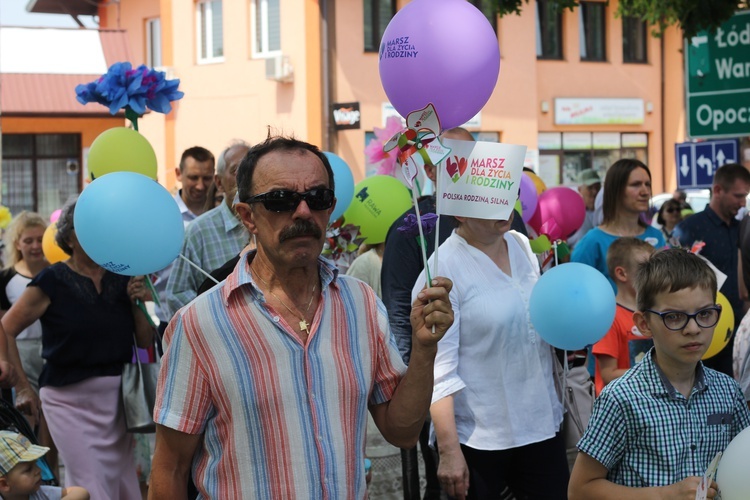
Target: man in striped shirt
(266,380)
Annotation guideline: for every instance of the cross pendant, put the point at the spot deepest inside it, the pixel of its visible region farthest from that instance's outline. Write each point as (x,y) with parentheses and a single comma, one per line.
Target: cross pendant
(304,326)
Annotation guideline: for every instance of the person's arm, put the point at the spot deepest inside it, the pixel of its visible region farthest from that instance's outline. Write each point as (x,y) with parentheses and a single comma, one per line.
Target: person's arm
(170,468)
(741,281)
(400,419)
(75,493)
(608,368)
(589,481)
(181,286)
(402,263)
(144,330)
(453,473)
(30,306)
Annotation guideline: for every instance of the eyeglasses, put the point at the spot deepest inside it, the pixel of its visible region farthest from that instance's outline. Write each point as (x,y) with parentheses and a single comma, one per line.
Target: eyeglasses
(284,200)
(677,320)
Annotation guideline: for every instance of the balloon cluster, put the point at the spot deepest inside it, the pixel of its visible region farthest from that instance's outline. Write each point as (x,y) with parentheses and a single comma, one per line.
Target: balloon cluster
(124,220)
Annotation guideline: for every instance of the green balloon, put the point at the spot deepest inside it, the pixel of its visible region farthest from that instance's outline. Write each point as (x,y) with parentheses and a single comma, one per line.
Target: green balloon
(121,149)
(378,202)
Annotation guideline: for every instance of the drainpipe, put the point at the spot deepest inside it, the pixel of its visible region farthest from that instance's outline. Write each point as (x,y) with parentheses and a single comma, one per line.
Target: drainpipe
(328,87)
(663,113)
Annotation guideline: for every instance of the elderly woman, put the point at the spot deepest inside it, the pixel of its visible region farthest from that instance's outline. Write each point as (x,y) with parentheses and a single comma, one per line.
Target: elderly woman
(495,411)
(88,322)
(627,193)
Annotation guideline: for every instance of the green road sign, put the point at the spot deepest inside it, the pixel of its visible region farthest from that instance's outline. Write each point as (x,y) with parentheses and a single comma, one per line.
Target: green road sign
(717,76)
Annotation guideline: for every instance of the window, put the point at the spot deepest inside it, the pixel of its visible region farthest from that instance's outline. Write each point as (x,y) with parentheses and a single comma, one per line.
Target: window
(591,16)
(210,31)
(548,30)
(378,14)
(563,155)
(634,39)
(153,42)
(40,171)
(267,23)
(487,7)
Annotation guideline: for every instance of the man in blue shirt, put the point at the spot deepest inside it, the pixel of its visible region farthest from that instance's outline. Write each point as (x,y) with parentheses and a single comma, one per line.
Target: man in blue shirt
(717,227)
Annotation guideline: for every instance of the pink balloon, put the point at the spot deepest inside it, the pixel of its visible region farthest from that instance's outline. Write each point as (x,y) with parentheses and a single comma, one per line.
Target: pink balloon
(528,197)
(560,205)
(443,52)
(55,215)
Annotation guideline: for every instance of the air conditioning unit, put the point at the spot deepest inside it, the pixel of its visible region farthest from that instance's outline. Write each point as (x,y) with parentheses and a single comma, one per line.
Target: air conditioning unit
(279,68)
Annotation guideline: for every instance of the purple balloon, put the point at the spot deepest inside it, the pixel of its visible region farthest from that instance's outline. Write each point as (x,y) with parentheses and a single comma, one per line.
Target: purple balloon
(528,197)
(443,52)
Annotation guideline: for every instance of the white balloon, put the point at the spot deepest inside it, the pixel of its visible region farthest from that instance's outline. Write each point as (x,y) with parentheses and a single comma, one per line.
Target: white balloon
(732,476)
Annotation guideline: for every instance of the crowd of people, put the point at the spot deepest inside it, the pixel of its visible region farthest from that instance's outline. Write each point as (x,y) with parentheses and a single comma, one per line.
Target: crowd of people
(280,374)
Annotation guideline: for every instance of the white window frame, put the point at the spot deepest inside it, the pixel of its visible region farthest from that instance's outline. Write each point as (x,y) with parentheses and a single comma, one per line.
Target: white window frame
(261,52)
(209,32)
(153,43)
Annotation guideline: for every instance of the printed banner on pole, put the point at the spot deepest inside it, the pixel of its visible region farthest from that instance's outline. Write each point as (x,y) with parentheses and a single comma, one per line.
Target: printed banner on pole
(480,179)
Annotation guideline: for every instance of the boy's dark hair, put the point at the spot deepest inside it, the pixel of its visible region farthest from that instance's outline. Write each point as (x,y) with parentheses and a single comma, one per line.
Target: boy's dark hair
(622,253)
(670,271)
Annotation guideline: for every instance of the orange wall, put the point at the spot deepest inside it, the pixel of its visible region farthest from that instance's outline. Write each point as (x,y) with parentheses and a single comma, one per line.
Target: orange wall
(89,128)
(232,99)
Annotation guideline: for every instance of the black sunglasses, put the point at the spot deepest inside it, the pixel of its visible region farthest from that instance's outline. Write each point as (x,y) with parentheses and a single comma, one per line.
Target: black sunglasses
(284,200)
(671,210)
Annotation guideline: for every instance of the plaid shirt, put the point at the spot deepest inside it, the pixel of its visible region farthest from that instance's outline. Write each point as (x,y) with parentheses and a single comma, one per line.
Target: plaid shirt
(210,241)
(648,434)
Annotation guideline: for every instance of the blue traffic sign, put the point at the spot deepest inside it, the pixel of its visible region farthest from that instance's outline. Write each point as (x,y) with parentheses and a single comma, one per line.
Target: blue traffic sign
(697,162)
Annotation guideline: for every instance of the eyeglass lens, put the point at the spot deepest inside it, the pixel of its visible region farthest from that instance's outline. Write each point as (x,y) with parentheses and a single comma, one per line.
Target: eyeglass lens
(676,320)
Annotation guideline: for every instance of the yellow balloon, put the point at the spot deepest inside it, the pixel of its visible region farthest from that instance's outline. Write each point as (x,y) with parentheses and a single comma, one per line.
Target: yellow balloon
(51,250)
(724,328)
(538,182)
(121,149)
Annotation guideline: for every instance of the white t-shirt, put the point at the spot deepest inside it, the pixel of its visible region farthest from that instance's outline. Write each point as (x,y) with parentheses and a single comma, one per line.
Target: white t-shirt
(15,285)
(493,362)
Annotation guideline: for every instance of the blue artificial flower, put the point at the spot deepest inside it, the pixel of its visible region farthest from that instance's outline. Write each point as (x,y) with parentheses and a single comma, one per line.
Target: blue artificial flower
(410,227)
(132,89)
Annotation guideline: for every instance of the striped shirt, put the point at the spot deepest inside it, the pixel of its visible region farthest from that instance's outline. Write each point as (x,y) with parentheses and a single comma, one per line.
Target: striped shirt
(279,419)
(210,240)
(646,433)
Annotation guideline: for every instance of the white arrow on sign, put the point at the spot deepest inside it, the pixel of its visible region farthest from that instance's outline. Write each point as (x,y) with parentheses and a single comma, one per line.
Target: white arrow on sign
(699,40)
(720,158)
(684,167)
(706,163)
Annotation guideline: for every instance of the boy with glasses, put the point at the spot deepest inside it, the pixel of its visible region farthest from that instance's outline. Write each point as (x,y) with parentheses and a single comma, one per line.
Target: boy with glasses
(655,430)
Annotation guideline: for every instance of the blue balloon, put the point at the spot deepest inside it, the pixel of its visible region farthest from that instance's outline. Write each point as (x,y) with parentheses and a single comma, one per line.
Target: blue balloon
(129,224)
(572,306)
(344,180)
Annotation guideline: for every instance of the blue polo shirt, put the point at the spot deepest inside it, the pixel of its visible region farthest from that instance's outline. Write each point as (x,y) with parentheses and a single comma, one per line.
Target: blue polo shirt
(722,243)
(646,433)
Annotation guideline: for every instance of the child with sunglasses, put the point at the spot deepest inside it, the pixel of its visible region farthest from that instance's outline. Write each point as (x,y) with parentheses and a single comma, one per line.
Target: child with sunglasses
(655,430)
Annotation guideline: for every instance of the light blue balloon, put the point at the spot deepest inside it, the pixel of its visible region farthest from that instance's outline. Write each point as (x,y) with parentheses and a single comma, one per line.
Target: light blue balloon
(344,181)
(572,306)
(129,224)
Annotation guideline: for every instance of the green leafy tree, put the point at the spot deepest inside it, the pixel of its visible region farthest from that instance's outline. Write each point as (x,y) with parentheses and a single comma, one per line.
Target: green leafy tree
(691,16)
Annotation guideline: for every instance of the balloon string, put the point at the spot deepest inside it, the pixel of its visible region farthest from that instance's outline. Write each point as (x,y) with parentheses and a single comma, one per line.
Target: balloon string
(143,309)
(155,295)
(196,266)
(554,249)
